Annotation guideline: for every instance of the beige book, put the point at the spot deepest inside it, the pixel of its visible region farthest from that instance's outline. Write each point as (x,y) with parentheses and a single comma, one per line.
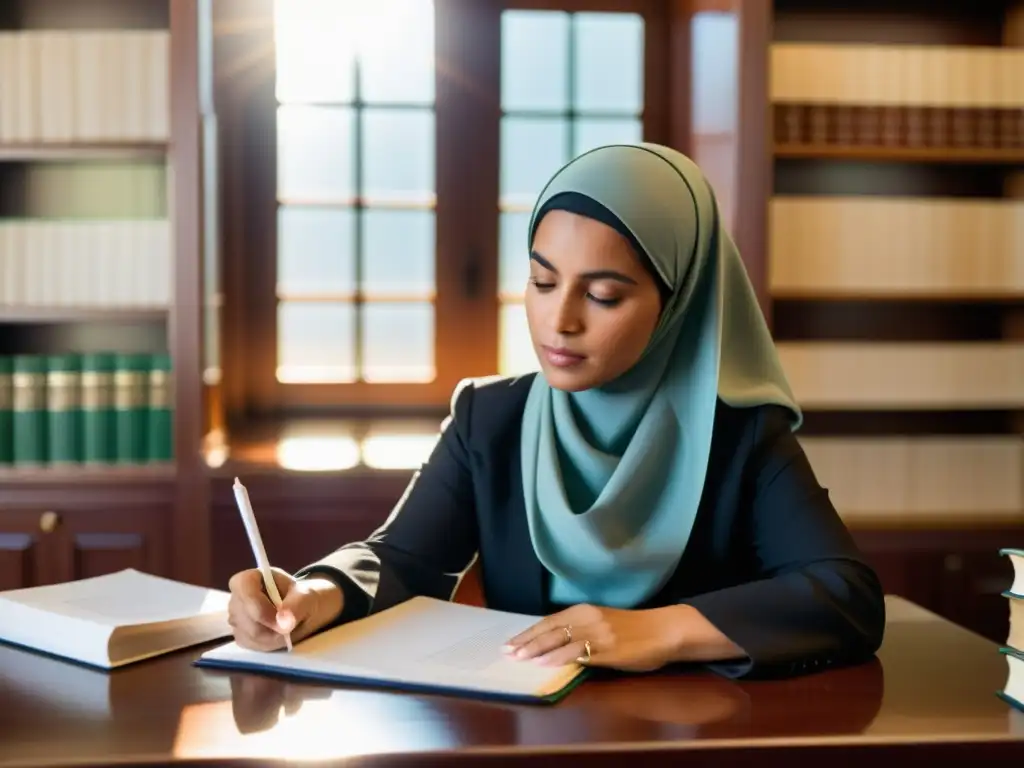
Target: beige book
(847,375)
(933,476)
(112,620)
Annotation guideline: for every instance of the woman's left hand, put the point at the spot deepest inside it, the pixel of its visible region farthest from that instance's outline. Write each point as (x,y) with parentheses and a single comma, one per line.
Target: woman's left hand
(637,641)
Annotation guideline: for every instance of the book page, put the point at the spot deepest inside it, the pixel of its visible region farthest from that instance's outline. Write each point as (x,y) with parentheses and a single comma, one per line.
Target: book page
(125,598)
(422,641)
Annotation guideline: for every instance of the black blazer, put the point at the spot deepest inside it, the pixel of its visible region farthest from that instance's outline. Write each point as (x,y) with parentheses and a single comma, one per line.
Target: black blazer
(769,562)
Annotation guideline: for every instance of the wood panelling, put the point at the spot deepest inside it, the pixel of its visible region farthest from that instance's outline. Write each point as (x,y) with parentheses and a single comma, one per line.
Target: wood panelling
(302,516)
(840,318)
(51,532)
(926,421)
(189,530)
(840,176)
(945,22)
(85,14)
(752,166)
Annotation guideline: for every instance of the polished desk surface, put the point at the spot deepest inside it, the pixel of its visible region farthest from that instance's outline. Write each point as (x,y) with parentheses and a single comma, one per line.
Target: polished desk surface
(932,683)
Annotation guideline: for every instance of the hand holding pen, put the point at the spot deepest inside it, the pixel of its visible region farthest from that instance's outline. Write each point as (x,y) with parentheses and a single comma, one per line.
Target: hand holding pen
(262,563)
(268,607)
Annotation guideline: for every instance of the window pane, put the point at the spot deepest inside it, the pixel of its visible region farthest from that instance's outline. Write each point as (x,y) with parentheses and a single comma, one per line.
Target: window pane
(315,342)
(398,342)
(398,451)
(609,62)
(398,252)
(535,60)
(315,251)
(396,58)
(516,353)
(598,131)
(314,49)
(398,155)
(318,453)
(513,253)
(714,61)
(532,149)
(314,153)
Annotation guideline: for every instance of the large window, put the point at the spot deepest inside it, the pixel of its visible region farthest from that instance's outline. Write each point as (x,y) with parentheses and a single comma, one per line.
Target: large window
(386,159)
(355,191)
(569,82)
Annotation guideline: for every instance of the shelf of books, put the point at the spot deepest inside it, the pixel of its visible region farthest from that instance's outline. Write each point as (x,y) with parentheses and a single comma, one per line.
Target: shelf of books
(896,252)
(86,253)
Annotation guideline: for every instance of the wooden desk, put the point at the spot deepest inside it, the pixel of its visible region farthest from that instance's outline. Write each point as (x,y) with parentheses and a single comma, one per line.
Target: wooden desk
(930,692)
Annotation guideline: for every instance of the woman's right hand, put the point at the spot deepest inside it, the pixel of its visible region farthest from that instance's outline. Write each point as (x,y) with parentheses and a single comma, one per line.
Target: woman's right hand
(307,606)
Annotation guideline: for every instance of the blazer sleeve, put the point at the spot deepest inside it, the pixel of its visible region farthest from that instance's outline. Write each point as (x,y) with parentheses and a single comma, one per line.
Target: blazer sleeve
(814,601)
(428,541)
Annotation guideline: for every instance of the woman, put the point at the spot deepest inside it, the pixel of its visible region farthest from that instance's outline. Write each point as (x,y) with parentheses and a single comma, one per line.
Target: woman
(644,492)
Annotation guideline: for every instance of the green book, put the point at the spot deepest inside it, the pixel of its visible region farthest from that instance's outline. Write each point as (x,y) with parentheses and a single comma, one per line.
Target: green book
(30,415)
(131,407)
(6,410)
(161,414)
(64,408)
(99,430)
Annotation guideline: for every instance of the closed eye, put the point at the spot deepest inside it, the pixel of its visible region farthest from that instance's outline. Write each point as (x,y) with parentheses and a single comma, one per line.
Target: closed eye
(545,287)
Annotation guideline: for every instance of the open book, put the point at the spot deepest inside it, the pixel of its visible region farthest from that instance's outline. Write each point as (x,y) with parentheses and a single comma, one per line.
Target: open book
(422,644)
(113,620)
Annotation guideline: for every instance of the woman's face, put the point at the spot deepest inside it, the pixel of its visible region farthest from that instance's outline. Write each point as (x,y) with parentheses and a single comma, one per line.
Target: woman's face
(590,303)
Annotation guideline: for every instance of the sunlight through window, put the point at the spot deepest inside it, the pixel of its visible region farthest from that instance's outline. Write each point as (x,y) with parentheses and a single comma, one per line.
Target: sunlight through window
(356,191)
(318,454)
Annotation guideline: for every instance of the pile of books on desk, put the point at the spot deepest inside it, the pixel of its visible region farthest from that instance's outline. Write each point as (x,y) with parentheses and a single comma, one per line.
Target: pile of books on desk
(1013,691)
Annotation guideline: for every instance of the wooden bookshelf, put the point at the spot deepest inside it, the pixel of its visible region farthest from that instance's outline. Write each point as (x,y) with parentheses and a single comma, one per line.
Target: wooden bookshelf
(876,207)
(944,155)
(76,476)
(893,251)
(82,151)
(41,314)
(101,259)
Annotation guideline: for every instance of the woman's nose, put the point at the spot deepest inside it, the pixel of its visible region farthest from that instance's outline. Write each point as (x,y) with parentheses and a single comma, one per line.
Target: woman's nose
(568,316)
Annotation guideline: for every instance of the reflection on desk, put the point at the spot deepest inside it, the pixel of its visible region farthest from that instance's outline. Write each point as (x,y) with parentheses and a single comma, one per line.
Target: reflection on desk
(932,684)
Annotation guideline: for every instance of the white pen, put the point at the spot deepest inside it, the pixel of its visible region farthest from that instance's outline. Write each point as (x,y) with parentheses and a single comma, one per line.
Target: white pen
(256,542)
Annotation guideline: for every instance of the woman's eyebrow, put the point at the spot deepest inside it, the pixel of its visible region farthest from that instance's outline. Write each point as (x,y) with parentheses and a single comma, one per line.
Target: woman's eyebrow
(599,274)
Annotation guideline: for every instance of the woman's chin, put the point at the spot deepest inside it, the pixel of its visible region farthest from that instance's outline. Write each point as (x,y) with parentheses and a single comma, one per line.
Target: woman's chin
(574,379)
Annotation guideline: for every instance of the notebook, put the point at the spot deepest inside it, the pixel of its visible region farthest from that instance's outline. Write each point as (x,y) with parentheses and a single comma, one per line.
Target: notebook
(422,644)
(113,620)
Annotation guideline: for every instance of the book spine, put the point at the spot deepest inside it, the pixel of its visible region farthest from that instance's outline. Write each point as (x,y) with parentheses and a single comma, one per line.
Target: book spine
(29,418)
(6,410)
(131,407)
(99,444)
(161,414)
(64,409)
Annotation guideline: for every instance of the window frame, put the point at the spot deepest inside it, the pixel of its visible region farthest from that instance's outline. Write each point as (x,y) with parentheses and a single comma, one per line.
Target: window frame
(467,113)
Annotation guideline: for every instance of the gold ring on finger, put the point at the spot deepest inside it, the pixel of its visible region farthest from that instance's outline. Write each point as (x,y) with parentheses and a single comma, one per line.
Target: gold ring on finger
(568,633)
(585,658)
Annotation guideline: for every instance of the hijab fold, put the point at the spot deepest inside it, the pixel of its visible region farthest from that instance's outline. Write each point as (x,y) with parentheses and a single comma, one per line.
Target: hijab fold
(613,476)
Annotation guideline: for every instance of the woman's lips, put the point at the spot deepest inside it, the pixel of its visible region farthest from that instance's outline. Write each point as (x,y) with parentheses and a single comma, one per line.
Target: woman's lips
(560,357)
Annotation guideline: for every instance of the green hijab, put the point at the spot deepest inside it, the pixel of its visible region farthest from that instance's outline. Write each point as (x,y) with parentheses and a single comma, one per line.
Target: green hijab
(613,475)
